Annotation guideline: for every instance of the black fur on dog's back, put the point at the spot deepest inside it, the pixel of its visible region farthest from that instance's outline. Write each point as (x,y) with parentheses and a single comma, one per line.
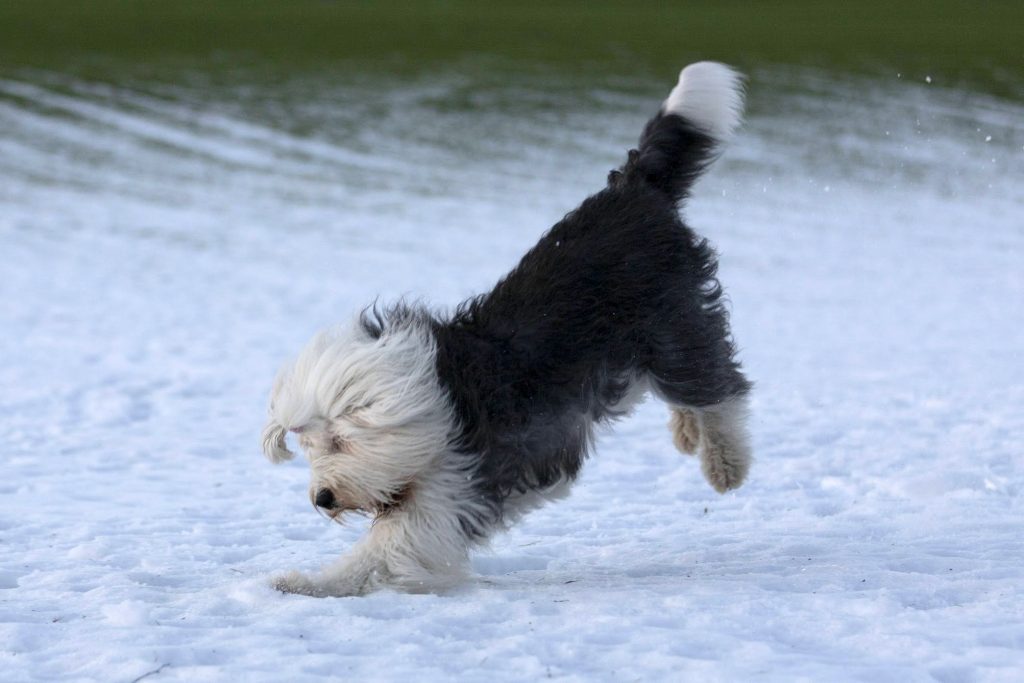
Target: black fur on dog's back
(618,291)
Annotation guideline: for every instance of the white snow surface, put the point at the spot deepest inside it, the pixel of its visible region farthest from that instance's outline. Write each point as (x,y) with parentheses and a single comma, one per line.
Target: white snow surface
(165,249)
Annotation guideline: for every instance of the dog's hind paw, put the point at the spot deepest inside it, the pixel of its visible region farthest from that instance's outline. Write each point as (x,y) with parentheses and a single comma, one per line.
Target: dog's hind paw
(724,468)
(685,430)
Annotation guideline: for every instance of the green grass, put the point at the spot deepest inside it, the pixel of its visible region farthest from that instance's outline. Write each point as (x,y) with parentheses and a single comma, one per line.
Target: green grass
(980,41)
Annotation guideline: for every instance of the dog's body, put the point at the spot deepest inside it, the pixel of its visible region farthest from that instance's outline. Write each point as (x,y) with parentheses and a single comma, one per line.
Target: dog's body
(449,428)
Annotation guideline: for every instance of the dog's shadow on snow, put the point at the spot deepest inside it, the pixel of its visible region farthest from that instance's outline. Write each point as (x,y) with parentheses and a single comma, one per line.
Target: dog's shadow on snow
(788,570)
(518,571)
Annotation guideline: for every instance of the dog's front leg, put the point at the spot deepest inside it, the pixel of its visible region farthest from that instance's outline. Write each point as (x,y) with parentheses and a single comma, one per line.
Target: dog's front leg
(362,570)
(420,548)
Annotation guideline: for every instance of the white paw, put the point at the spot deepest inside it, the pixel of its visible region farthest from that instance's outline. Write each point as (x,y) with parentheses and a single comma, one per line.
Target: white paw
(724,469)
(295,582)
(320,587)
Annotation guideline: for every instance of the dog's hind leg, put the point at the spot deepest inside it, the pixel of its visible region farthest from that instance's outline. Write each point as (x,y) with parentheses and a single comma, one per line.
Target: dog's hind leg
(694,371)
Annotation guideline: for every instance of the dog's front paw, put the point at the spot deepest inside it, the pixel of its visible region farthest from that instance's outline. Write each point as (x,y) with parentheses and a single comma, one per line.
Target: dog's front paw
(302,584)
(295,582)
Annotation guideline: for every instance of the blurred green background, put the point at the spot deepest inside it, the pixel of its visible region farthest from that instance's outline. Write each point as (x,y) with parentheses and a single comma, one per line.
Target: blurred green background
(957,43)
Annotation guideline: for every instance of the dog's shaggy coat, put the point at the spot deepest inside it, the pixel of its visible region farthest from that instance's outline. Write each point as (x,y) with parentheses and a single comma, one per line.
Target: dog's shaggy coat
(447,428)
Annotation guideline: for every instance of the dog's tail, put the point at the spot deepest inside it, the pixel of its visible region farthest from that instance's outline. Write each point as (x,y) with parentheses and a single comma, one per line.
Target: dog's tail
(701,113)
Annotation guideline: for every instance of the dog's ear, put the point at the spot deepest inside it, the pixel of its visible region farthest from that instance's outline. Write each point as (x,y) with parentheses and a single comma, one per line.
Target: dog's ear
(274,446)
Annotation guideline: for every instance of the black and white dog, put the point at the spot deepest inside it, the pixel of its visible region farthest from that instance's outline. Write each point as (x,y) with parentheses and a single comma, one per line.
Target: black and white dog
(448,428)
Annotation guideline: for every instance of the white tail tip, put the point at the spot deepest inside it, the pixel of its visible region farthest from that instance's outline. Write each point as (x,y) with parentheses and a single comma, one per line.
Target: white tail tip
(710,96)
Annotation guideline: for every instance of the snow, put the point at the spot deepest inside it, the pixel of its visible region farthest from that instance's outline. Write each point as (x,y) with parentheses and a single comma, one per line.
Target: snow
(165,249)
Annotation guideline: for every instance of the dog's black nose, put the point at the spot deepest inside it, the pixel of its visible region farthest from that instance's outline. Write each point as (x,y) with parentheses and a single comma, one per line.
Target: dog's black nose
(324,499)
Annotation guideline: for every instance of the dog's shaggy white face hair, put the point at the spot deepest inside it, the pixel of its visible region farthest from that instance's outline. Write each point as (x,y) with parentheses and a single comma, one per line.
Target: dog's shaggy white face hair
(378,431)
(369,414)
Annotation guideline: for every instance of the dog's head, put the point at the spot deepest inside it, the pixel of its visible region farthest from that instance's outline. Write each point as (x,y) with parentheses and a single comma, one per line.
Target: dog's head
(368,410)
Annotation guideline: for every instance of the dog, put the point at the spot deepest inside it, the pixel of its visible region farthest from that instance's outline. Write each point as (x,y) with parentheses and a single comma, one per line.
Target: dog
(449,427)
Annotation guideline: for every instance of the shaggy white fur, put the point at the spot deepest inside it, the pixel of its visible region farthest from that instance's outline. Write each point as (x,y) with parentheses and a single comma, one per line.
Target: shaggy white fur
(376,425)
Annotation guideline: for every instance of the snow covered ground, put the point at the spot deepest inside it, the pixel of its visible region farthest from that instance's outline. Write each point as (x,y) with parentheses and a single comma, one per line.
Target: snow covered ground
(165,249)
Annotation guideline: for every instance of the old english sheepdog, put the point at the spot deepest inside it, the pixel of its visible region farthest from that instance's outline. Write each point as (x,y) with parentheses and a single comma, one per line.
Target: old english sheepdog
(447,428)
